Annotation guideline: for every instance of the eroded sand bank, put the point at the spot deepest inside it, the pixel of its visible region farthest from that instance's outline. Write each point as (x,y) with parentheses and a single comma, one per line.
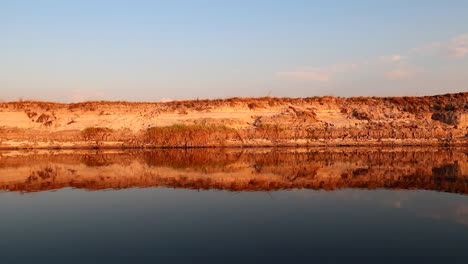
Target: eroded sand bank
(317,121)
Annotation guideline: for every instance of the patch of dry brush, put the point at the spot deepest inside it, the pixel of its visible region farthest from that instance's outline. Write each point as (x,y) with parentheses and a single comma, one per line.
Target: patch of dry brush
(96,134)
(181,135)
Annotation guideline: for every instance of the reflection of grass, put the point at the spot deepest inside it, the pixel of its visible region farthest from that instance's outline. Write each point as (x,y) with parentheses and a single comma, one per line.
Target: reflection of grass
(95,160)
(195,159)
(181,135)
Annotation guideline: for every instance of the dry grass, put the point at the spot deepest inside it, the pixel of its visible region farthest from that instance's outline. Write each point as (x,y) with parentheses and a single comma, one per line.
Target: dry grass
(181,135)
(270,132)
(96,134)
(409,104)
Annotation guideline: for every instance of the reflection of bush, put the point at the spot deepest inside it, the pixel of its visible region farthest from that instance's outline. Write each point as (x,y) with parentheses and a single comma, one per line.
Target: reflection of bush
(447,172)
(96,160)
(196,159)
(244,169)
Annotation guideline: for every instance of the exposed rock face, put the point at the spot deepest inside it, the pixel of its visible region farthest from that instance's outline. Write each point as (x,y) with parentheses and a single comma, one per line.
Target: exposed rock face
(234,169)
(430,120)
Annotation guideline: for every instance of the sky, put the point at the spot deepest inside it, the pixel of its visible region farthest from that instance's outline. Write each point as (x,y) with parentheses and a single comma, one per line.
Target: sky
(70,51)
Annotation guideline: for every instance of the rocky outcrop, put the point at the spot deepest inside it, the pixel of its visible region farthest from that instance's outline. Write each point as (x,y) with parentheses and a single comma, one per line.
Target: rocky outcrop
(313,121)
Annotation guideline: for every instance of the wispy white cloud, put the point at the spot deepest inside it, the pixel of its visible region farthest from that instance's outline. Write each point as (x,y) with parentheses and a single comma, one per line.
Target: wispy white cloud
(397,74)
(392,58)
(321,74)
(306,76)
(456,47)
(401,66)
(80,95)
(426,47)
(166,100)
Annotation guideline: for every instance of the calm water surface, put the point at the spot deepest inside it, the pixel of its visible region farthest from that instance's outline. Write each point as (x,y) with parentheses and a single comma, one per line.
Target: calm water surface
(402,205)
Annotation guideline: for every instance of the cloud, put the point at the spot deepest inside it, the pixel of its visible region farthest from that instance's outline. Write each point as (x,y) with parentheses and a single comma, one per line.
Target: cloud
(306,76)
(426,47)
(80,95)
(321,74)
(397,74)
(392,58)
(166,100)
(456,47)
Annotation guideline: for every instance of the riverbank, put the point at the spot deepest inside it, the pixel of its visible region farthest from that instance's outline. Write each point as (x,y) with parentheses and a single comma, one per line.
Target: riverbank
(440,120)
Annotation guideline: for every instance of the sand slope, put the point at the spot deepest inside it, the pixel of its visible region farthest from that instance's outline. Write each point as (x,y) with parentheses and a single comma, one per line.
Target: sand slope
(267,121)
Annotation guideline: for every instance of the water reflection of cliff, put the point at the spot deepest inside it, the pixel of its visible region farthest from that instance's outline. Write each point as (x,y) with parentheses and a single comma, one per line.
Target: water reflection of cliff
(238,169)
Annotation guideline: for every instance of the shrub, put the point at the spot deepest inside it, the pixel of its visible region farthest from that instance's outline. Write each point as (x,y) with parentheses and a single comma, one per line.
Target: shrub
(96,134)
(181,135)
(270,132)
(450,118)
(360,115)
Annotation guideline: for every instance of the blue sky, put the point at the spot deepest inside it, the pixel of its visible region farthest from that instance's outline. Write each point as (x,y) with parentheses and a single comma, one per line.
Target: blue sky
(159,50)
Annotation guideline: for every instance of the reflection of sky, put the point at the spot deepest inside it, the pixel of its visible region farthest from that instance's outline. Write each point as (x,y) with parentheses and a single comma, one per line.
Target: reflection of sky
(150,50)
(435,205)
(156,221)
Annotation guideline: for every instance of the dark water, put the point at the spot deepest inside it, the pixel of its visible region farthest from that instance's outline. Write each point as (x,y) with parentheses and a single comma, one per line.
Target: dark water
(382,205)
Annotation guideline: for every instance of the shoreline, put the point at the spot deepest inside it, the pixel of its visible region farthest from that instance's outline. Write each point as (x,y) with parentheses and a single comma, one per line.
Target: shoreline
(359,145)
(238,122)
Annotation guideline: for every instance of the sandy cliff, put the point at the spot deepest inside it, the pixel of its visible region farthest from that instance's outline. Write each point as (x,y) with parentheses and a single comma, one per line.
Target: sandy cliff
(430,120)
